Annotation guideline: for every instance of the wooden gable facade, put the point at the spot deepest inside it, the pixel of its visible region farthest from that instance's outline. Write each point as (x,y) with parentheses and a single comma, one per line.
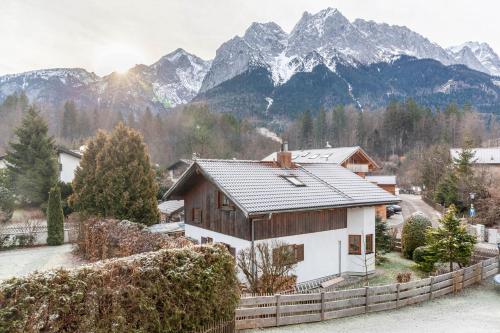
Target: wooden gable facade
(207,207)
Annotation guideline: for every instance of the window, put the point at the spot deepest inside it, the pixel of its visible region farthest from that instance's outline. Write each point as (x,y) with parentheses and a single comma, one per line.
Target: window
(206,240)
(231,250)
(294,253)
(354,244)
(223,201)
(369,243)
(294,180)
(196,215)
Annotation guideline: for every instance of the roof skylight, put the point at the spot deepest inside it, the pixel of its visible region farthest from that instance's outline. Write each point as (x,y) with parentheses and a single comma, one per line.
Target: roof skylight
(294,180)
(314,156)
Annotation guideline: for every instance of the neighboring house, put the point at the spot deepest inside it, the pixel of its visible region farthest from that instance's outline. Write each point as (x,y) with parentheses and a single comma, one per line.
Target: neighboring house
(176,169)
(485,159)
(171,211)
(324,212)
(352,158)
(69,160)
(388,183)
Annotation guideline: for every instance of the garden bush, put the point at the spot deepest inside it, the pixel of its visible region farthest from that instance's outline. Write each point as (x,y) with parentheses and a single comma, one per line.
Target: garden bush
(107,238)
(424,258)
(413,234)
(171,290)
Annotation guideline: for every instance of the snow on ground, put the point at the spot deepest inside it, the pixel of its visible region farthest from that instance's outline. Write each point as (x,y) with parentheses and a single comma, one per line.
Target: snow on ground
(475,309)
(20,262)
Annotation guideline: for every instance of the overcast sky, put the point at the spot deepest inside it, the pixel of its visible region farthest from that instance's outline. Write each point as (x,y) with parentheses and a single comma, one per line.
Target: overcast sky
(107,35)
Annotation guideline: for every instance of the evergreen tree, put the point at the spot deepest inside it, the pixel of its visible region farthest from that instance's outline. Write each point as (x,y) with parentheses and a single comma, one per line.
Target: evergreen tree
(32,160)
(360,130)
(450,242)
(307,129)
(85,184)
(115,178)
(321,129)
(383,241)
(339,123)
(447,189)
(55,218)
(69,121)
(463,163)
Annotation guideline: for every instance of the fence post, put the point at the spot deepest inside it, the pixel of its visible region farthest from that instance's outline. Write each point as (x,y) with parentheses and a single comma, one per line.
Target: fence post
(367,292)
(322,305)
(278,310)
(432,285)
(481,263)
(397,294)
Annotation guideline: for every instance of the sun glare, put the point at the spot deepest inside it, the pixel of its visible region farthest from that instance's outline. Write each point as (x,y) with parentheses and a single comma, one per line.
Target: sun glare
(117,58)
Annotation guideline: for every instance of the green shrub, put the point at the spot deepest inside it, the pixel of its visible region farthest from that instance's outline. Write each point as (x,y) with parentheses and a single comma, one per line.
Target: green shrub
(175,290)
(424,258)
(55,218)
(413,234)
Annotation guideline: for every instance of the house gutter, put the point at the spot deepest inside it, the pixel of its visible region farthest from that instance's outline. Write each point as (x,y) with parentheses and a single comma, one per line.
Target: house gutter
(255,214)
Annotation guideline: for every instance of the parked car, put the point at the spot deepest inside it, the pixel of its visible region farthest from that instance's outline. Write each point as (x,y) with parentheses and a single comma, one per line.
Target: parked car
(395,208)
(389,211)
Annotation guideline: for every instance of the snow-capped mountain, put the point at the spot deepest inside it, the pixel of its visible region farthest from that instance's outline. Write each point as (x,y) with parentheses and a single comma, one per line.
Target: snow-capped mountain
(253,72)
(479,56)
(174,79)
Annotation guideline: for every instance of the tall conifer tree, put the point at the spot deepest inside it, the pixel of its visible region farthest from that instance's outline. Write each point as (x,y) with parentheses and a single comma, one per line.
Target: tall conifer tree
(32,160)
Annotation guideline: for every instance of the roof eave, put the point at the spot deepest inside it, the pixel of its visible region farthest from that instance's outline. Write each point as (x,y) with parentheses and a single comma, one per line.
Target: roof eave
(347,205)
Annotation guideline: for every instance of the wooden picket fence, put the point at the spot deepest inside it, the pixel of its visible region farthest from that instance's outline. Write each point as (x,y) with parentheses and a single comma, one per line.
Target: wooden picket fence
(218,327)
(278,310)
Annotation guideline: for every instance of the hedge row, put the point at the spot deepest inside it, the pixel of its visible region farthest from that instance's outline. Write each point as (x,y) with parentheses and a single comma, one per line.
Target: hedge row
(173,290)
(108,238)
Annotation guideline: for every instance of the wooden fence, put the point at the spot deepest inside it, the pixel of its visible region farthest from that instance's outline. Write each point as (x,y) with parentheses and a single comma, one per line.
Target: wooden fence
(218,327)
(277,310)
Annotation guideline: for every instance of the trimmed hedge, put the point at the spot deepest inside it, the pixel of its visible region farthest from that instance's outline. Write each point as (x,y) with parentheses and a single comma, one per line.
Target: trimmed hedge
(108,238)
(172,290)
(413,234)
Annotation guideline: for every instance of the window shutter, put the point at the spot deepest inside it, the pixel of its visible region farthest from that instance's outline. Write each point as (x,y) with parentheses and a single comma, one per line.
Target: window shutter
(299,252)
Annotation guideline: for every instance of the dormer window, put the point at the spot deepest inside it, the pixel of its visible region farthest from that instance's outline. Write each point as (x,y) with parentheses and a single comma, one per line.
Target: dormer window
(294,180)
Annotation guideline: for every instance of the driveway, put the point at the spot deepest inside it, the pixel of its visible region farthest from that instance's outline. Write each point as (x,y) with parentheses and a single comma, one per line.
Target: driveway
(476,309)
(414,203)
(20,262)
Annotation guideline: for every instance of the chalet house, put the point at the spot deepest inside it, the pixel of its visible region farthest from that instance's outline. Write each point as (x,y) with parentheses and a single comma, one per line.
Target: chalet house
(68,159)
(485,159)
(324,212)
(352,158)
(175,170)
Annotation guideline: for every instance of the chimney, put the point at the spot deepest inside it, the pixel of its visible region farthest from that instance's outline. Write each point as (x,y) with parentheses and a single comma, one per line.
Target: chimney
(284,157)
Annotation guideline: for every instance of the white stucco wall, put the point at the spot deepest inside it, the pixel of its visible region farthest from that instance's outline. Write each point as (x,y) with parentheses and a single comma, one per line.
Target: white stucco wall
(321,249)
(69,164)
(361,221)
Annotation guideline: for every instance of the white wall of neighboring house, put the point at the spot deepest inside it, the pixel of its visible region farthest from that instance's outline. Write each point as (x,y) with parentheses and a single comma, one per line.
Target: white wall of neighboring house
(68,164)
(2,164)
(321,249)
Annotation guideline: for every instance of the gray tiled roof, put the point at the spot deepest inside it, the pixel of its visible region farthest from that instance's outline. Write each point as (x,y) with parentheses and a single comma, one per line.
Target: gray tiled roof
(170,206)
(324,155)
(382,180)
(259,187)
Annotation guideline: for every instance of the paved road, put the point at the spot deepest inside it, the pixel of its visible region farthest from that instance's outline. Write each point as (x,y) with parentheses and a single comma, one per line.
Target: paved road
(476,309)
(414,203)
(20,262)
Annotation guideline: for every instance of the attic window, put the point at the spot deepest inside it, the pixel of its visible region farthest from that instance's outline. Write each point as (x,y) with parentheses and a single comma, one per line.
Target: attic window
(313,156)
(294,180)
